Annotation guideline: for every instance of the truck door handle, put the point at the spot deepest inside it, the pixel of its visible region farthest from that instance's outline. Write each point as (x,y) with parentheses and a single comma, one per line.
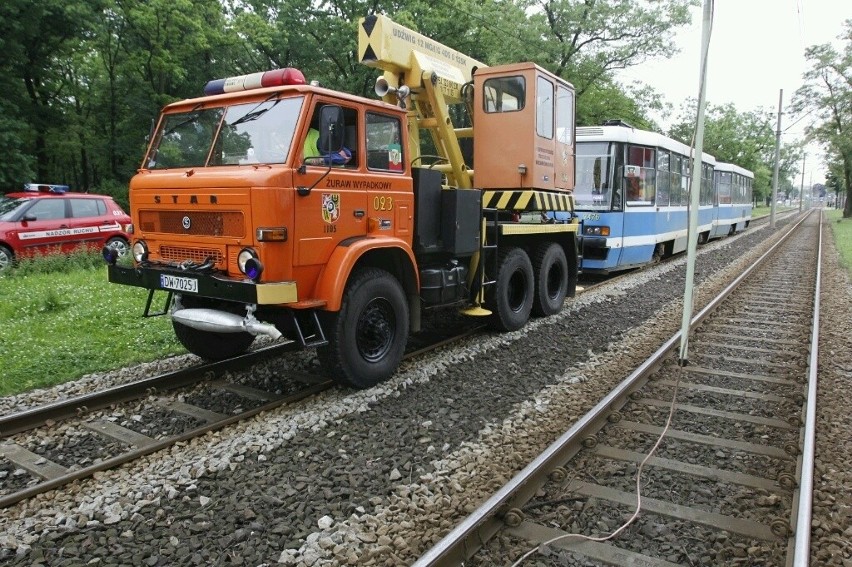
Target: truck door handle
(359,213)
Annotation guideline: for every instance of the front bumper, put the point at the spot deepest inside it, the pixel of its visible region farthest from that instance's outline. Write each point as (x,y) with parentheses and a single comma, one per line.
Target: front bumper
(208,285)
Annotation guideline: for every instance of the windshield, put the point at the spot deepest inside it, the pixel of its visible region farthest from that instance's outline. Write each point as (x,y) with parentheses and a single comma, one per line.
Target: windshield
(237,135)
(593,190)
(9,207)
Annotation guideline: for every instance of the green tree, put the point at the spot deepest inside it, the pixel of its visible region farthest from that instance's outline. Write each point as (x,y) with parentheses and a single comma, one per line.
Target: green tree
(39,39)
(827,93)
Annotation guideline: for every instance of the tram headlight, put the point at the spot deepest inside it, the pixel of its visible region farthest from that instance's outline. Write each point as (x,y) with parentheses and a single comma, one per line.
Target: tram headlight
(250,264)
(596,230)
(140,251)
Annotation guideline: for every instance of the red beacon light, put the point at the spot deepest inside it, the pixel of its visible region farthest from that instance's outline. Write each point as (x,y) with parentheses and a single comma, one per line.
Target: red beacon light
(274,78)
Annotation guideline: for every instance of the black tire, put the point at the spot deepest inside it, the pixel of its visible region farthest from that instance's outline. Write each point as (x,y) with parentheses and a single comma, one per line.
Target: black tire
(367,337)
(210,345)
(7,257)
(550,267)
(511,298)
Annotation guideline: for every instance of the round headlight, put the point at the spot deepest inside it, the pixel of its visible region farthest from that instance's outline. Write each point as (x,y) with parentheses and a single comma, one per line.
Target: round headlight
(254,268)
(140,251)
(245,255)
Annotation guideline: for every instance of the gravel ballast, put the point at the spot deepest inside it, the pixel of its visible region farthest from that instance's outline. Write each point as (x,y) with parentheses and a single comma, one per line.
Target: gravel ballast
(375,477)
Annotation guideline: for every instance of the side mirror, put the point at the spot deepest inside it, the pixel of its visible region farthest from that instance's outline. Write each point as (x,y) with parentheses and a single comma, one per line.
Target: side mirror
(332,129)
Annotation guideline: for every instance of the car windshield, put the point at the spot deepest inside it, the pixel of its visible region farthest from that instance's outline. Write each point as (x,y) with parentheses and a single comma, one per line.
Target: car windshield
(9,207)
(236,135)
(593,190)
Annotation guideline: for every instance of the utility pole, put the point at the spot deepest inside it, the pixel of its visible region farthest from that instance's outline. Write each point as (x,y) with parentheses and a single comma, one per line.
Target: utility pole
(695,186)
(802,186)
(777,158)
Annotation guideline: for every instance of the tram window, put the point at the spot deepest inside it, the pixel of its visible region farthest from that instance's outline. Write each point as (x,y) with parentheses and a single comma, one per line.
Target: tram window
(663,179)
(724,188)
(593,169)
(640,175)
(544,108)
(706,184)
(685,166)
(675,190)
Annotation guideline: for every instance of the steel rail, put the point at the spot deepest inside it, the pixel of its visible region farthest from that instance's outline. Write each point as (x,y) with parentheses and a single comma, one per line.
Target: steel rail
(139,452)
(72,408)
(65,409)
(458,545)
(804,510)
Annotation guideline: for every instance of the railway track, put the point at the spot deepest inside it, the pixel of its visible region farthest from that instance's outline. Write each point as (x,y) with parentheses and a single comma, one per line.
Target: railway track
(723,485)
(47,447)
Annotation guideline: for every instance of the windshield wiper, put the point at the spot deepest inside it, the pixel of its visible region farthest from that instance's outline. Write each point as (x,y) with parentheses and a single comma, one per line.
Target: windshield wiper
(255,114)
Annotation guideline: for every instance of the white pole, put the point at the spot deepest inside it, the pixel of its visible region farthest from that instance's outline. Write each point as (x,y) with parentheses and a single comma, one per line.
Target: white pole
(777,164)
(695,185)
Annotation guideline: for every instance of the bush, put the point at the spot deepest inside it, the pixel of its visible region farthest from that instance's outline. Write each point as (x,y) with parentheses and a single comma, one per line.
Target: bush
(56,262)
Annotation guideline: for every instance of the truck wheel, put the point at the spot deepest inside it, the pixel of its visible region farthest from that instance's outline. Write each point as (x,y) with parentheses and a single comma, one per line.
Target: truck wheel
(367,337)
(208,344)
(6,257)
(551,279)
(511,298)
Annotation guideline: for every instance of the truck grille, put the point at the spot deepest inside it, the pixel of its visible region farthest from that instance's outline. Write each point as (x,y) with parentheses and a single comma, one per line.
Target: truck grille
(180,254)
(201,223)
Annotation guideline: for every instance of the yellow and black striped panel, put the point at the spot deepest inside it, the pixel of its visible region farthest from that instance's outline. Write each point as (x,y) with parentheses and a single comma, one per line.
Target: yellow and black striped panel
(527,200)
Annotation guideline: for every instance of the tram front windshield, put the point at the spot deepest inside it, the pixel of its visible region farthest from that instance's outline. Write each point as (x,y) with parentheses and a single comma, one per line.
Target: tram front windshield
(593,189)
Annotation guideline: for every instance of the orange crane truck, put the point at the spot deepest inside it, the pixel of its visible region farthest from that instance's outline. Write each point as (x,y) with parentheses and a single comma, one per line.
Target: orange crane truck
(273,206)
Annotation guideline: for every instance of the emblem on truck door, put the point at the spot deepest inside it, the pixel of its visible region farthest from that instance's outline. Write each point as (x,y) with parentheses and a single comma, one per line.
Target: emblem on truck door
(330,207)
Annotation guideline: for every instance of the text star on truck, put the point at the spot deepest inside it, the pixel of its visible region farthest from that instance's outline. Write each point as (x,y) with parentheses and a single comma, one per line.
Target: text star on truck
(274,207)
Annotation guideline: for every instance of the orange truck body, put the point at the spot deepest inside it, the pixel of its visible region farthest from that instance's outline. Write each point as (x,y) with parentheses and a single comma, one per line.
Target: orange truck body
(252,236)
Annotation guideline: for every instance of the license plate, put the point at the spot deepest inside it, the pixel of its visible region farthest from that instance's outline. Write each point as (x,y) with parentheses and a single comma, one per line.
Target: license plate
(177,283)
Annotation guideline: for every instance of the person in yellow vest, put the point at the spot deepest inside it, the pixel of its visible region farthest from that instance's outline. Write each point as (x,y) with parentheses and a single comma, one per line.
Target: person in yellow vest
(313,156)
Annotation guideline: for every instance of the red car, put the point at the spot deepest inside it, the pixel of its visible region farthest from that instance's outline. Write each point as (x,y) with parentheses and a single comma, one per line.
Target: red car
(41,222)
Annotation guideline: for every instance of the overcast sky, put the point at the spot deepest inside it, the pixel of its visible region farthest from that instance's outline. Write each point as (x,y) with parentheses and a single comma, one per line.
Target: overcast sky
(756,49)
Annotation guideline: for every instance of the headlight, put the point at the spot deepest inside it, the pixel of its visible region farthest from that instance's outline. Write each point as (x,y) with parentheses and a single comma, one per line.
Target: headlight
(249,264)
(596,230)
(140,251)
(245,255)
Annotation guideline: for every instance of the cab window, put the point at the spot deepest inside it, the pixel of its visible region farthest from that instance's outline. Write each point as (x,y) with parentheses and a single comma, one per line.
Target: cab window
(564,116)
(315,146)
(544,109)
(504,94)
(384,143)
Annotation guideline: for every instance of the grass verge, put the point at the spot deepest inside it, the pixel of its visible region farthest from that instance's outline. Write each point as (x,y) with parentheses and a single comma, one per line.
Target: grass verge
(59,326)
(842,230)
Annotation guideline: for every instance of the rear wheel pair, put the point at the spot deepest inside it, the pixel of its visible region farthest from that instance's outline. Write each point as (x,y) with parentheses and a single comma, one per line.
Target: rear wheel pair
(526,286)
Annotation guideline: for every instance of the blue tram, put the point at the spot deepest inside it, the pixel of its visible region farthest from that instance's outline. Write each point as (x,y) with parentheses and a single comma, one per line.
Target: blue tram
(733,199)
(632,194)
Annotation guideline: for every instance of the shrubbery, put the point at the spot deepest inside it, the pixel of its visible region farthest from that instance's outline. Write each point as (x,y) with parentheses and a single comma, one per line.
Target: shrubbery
(61,262)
